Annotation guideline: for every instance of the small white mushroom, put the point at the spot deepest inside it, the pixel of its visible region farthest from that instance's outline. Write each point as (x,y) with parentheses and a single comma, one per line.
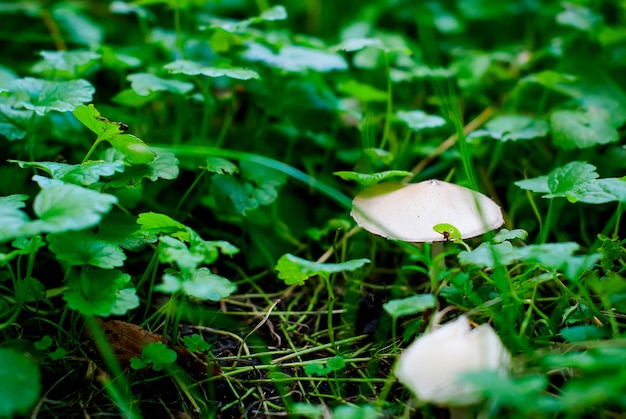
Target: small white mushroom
(431,367)
(410,212)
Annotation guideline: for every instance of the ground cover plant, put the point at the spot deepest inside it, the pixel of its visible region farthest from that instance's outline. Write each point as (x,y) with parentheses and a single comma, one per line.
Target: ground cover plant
(176,185)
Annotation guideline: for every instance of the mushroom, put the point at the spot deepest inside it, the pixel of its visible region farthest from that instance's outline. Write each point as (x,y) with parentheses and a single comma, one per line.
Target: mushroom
(432,366)
(412,212)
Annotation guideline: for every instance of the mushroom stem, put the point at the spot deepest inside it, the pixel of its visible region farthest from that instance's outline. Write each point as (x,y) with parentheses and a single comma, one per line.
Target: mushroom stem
(436,266)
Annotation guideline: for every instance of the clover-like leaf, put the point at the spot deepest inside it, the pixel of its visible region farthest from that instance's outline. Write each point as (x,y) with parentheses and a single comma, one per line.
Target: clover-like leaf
(70,62)
(14,122)
(172,250)
(145,83)
(84,174)
(295,270)
(409,305)
(368,179)
(195,343)
(12,218)
(20,383)
(237,26)
(124,231)
(156,354)
(67,207)
(134,150)
(514,128)
(296,58)
(193,68)
(505,234)
(43,96)
(582,333)
(89,116)
(420,120)
(220,166)
(163,166)
(577,129)
(29,290)
(206,285)
(357,44)
(157,223)
(565,181)
(335,363)
(489,255)
(570,177)
(85,248)
(101,293)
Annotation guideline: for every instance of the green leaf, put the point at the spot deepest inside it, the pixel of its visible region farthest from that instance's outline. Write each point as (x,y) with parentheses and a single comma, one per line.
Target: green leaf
(361,91)
(20,383)
(410,305)
(448,231)
(335,363)
(568,178)
(577,129)
(23,246)
(192,68)
(296,58)
(156,354)
(274,13)
(601,359)
(84,174)
(12,218)
(65,207)
(205,285)
(582,333)
(525,394)
(420,120)
(515,127)
(134,150)
(489,255)
(567,181)
(195,343)
(369,179)
(505,234)
(30,290)
(73,63)
(156,223)
(220,166)
(43,96)
(145,83)
(172,250)
(164,166)
(124,231)
(89,116)
(258,186)
(295,270)
(44,343)
(85,248)
(553,255)
(101,293)
(537,184)
(14,122)
(579,17)
(128,97)
(357,44)
(209,248)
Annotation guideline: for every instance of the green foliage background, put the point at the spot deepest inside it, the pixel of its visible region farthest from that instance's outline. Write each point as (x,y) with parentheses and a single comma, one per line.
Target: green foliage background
(189,166)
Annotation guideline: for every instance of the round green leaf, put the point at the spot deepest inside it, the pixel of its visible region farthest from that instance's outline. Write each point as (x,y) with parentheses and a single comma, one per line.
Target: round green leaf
(20,383)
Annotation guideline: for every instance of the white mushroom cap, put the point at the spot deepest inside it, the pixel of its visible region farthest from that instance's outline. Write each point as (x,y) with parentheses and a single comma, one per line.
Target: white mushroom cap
(409,212)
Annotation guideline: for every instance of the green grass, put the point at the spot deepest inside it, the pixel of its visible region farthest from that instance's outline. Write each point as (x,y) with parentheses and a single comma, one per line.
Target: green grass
(176,181)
